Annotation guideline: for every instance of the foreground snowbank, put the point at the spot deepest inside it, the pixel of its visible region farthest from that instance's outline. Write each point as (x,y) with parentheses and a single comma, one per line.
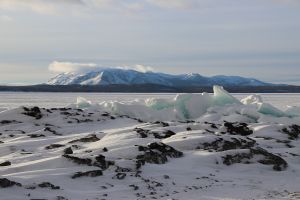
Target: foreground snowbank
(195,146)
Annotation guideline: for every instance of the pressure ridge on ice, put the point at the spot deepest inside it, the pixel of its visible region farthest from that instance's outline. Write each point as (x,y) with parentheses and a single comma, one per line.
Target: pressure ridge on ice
(191,106)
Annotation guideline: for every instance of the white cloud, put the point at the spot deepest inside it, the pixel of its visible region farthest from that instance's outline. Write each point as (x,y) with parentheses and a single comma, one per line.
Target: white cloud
(139,68)
(62,67)
(143,68)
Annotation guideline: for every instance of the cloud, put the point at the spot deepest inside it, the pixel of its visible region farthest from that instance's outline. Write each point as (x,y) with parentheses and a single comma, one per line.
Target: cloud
(139,68)
(62,67)
(142,68)
(65,67)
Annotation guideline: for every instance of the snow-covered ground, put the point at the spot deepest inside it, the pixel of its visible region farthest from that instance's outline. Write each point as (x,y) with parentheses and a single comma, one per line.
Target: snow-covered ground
(191,146)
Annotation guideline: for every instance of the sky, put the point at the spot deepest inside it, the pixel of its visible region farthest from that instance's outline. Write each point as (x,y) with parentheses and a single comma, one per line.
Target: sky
(251,38)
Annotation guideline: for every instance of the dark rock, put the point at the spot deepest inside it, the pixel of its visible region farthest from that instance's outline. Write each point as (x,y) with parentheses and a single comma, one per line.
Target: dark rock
(237,128)
(163,135)
(166,177)
(30,187)
(51,131)
(156,153)
(120,176)
(4,122)
(54,146)
(292,131)
(46,124)
(6,163)
(33,112)
(188,128)
(105,114)
(212,125)
(140,121)
(61,198)
(237,158)
(102,162)
(221,144)
(5,183)
(93,173)
(64,109)
(83,120)
(164,124)
(80,161)
(105,149)
(122,169)
(48,110)
(159,135)
(90,138)
(278,163)
(48,185)
(142,132)
(135,187)
(265,158)
(36,135)
(68,150)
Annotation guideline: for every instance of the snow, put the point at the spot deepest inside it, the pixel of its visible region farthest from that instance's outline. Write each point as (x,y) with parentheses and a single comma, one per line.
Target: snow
(220,137)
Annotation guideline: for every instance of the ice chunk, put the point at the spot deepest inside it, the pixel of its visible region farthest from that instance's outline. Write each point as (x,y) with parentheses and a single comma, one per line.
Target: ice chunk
(293,111)
(250,112)
(252,99)
(221,97)
(82,103)
(196,105)
(180,105)
(159,104)
(268,109)
(185,106)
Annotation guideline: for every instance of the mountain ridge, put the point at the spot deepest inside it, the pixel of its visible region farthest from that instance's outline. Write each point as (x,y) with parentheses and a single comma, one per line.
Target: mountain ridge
(115,76)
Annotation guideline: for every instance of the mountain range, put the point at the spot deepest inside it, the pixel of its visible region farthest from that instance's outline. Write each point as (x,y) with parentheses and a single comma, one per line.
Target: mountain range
(119,76)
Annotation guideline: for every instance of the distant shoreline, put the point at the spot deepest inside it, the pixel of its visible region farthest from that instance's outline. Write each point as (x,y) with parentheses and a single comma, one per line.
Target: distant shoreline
(147,88)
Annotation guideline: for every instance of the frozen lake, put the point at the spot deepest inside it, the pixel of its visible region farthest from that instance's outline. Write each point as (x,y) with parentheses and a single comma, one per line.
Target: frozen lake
(15,99)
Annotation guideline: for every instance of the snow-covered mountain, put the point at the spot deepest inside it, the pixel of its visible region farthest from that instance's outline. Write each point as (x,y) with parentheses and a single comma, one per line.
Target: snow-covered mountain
(109,76)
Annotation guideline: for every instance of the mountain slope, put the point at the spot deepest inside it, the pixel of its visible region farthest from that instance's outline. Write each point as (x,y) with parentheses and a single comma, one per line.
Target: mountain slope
(110,76)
